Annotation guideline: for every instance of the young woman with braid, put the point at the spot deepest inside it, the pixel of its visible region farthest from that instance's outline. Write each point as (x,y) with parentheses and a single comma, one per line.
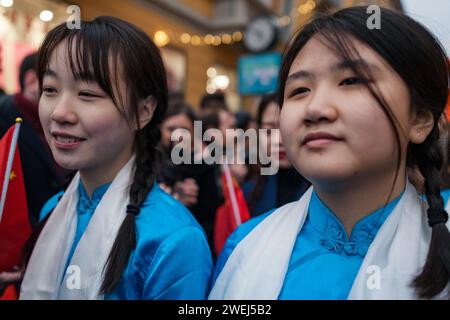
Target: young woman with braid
(114,233)
(358,106)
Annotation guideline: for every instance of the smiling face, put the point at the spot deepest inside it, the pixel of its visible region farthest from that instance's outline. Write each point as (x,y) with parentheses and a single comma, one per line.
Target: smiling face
(332,127)
(82,125)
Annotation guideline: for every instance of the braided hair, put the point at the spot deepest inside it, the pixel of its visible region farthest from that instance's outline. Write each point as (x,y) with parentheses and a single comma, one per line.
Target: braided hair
(96,51)
(419,59)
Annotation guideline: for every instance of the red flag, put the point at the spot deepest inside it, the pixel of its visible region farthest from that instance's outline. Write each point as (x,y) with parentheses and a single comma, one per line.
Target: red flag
(15,228)
(10,293)
(232,213)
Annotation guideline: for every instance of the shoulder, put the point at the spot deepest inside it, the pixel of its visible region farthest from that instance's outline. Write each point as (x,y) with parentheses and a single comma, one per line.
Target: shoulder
(169,237)
(168,211)
(236,237)
(162,218)
(243,230)
(445,195)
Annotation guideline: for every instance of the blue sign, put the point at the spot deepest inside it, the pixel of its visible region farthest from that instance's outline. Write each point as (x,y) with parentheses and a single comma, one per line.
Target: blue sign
(258,74)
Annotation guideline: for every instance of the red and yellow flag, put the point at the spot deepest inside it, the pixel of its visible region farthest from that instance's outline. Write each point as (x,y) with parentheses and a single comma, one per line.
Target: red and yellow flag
(232,213)
(14,222)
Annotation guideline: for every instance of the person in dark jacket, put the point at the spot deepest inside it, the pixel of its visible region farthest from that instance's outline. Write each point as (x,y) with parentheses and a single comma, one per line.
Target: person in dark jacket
(197,186)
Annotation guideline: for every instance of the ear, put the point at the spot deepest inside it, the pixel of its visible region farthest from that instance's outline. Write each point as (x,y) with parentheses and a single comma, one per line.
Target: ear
(422,124)
(147,107)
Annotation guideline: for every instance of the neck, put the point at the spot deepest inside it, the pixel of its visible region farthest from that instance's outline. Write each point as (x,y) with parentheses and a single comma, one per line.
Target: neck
(352,201)
(94,177)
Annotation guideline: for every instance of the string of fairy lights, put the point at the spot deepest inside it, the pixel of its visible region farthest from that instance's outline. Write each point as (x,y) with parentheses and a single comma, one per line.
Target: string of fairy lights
(164,37)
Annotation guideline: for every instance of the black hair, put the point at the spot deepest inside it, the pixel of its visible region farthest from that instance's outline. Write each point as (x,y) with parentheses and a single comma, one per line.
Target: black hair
(94,52)
(243,119)
(28,63)
(210,120)
(266,100)
(419,59)
(214,101)
(179,107)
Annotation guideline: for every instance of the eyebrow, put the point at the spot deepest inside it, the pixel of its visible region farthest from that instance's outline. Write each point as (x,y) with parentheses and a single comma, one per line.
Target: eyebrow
(79,76)
(50,73)
(342,65)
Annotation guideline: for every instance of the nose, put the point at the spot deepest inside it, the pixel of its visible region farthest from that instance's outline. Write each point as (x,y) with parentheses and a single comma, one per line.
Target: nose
(63,111)
(320,108)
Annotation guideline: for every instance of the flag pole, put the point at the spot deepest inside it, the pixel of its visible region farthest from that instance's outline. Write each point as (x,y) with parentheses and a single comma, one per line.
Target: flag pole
(9,164)
(233,198)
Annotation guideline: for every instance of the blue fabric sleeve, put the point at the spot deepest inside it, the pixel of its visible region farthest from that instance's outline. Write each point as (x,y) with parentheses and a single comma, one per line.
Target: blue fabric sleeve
(181,268)
(445,195)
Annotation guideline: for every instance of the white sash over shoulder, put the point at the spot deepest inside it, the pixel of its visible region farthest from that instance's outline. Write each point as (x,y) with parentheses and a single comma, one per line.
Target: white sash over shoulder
(44,277)
(257,266)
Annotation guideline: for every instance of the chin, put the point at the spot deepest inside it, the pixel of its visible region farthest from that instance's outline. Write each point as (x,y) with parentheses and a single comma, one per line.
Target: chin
(67,165)
(285,164)
(322,172)
(66,162)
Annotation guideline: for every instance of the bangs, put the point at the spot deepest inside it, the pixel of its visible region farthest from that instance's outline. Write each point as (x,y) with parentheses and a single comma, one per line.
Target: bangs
(92,53)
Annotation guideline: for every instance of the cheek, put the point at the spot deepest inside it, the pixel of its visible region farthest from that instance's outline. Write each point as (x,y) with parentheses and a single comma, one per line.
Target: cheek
(109,130)
(290,120)
(371,131)
(398,98)
(44,114)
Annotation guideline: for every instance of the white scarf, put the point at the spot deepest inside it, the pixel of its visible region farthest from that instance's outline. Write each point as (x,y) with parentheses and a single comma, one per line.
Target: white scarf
(44,277)
(257,266)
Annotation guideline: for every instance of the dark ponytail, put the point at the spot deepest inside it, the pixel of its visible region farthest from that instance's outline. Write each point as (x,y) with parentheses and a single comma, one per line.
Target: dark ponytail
(147,155)
(436,272)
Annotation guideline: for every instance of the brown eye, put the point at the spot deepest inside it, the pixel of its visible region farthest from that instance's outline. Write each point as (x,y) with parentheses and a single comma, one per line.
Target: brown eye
(352,81)
(48,90)
(88,94)
(298,91)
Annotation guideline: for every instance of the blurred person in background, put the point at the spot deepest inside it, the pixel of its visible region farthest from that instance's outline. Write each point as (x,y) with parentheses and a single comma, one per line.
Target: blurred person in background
(263,192)
(195,185)
(212,103)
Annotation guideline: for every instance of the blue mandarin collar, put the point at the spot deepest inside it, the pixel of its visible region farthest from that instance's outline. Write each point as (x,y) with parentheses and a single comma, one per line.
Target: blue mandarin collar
(333,234)
(86,204)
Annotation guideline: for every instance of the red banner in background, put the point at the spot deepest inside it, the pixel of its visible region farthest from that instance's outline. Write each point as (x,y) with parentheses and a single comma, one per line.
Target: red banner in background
(15,228)
(232,213)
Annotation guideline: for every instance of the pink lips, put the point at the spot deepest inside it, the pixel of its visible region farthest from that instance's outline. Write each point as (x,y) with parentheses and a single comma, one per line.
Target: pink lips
(319,139)
(66,141)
